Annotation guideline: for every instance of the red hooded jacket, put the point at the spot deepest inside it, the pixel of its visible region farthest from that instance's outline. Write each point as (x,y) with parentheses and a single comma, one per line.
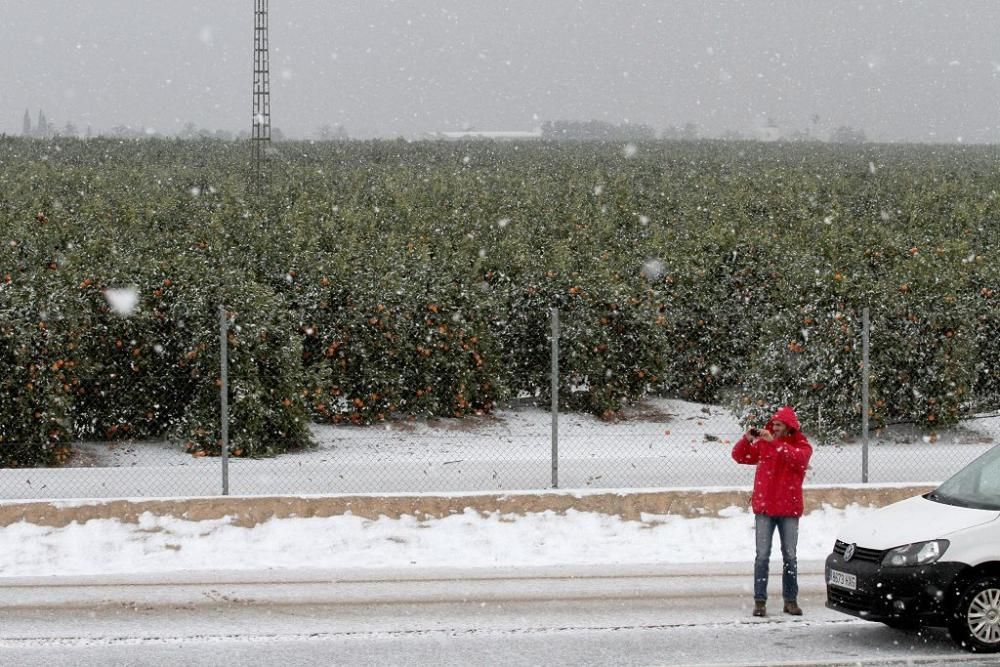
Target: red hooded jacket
(781,467)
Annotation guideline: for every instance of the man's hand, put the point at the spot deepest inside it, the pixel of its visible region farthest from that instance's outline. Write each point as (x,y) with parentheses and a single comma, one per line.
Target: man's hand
(766,435)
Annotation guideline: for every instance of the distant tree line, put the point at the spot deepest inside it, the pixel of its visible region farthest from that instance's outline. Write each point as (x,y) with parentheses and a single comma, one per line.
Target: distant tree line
(45,129)
(328,133)
(571,130)
(596,130)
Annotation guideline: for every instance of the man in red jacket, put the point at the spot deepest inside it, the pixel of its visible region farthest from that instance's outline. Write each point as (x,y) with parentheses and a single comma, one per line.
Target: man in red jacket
(781,454)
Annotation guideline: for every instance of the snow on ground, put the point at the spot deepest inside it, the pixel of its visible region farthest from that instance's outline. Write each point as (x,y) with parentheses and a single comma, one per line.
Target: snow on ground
(159,544)
(655,428)
(660,443)
(663,443)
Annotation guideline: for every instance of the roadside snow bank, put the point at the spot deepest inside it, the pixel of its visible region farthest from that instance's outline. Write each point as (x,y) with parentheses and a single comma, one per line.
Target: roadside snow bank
(160,543)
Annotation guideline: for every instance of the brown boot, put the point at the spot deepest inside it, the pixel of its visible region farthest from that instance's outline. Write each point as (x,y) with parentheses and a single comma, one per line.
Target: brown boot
(791,607)
(759,608)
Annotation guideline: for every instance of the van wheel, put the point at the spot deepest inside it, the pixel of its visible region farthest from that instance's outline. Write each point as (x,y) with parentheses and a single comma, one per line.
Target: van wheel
(975,621)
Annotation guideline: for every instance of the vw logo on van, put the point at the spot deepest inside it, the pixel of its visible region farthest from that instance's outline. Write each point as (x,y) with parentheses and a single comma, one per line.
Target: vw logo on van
(849,552)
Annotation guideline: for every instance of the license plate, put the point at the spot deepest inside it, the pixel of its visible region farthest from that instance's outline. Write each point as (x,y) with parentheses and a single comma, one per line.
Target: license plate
(843,579)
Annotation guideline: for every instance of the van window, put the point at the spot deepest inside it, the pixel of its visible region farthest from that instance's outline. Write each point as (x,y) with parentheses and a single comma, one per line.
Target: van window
(977,485)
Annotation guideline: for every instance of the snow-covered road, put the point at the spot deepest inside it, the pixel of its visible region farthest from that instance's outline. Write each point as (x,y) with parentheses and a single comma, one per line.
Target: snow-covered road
(699,616)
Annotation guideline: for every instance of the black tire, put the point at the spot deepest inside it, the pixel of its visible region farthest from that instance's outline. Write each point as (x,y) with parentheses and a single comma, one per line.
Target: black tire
(975,621)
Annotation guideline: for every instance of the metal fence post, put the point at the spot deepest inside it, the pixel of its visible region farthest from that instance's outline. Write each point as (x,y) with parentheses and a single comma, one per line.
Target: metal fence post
(865,375)
(555,397)
(224,396)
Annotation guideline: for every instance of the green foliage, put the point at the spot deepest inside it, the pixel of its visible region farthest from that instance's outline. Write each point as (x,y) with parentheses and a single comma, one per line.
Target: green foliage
(808,357)
(267,411)
(384,279)
(35,391)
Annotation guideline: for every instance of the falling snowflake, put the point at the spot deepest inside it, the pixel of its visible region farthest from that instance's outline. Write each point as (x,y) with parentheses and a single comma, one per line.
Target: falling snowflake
(122,300)
(652,269)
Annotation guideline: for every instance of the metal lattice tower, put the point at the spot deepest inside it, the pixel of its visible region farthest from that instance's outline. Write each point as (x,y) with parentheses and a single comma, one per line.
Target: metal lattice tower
(261,131)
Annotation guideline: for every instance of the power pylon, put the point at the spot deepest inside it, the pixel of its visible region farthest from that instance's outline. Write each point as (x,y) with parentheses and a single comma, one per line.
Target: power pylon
(261,130)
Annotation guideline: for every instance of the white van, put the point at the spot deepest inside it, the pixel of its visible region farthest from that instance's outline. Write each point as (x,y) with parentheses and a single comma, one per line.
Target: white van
(929,560)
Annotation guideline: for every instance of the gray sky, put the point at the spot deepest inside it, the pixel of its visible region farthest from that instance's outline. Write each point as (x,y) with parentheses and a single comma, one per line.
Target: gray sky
(899,70)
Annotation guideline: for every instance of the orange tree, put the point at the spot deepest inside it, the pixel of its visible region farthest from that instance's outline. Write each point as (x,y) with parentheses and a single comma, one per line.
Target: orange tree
(383,279)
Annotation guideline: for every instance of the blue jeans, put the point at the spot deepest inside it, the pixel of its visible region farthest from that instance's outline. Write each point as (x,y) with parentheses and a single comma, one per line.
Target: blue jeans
(788,531)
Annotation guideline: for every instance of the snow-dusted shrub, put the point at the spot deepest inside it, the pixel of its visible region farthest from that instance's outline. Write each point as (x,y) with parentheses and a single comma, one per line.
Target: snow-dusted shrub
(713,305)
(131,379)
(391,278)
(110,281)
(808,357)
(36,384)
(925,346)
(985,331)
(373,351)
(267,412)
(613,349)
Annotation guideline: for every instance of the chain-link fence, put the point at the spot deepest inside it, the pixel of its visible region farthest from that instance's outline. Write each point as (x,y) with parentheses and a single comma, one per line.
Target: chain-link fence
(657,442)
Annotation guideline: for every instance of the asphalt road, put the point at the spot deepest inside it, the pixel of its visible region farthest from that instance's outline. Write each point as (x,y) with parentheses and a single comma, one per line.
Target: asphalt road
(551,617)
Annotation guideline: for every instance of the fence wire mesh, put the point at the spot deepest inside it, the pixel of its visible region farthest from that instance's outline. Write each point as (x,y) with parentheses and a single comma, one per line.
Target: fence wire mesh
(657,442)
